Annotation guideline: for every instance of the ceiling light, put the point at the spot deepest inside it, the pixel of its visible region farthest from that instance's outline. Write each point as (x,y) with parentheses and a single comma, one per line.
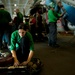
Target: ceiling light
(15,5)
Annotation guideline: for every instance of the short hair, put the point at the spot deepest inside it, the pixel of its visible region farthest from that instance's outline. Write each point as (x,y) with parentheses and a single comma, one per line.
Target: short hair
(52,5)
(59,2)
(2,6)
(22,26)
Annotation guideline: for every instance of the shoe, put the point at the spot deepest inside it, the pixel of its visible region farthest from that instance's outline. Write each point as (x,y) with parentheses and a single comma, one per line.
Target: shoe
(55,46)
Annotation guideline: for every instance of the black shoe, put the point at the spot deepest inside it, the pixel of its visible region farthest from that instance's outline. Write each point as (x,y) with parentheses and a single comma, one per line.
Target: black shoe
(55,46)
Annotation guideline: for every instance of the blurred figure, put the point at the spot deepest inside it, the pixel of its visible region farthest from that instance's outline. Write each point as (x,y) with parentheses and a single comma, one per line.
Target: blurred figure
(45,21)
(18,18)
(33,27)
(27,22)
(23,53)
(53,16)
(39,26)
(5,26)
(60,9)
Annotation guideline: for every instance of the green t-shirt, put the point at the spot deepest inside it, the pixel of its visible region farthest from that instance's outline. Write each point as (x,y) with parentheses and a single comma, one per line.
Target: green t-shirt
(5,17)
(53,16)
(15,39)
(19,17)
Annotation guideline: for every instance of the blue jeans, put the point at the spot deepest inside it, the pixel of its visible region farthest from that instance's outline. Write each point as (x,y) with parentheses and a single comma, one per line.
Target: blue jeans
(6,37)
(52,33)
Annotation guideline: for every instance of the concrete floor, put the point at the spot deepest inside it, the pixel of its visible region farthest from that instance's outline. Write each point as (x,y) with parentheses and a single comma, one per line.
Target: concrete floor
(57,61)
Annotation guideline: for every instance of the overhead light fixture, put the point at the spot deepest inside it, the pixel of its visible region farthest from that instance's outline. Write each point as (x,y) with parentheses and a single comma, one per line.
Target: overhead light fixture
(15,5)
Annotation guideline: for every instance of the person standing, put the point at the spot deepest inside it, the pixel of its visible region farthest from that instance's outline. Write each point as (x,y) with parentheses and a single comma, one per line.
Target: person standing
(22,46)
(60,9)
(33,27)
(5,25)
(18,19)
(39,26)
(53,16)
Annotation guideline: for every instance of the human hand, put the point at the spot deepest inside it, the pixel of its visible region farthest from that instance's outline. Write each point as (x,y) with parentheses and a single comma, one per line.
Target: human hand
(11,23)
(16,63)
(24,63)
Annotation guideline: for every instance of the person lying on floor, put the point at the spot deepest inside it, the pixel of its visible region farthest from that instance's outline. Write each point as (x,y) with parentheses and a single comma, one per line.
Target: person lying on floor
(24,51)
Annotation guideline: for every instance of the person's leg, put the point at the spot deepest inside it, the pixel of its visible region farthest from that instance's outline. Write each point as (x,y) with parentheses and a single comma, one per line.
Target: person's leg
(19,54)
(33,31)
(47,28)
(8,32)
(7,38)
(52,34)
(40,37)
(23,50)
(1,36)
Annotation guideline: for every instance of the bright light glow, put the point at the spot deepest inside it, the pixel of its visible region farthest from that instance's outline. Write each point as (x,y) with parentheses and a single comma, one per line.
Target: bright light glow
(15,5)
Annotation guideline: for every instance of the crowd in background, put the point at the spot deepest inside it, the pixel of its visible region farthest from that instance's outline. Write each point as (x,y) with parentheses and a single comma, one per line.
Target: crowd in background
(38,24)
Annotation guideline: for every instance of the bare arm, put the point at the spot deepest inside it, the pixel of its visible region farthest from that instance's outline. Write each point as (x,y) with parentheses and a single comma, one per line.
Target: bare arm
(30,56)
(16,62)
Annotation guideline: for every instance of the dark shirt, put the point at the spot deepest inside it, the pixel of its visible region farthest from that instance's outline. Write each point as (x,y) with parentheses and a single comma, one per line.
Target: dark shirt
(5,18)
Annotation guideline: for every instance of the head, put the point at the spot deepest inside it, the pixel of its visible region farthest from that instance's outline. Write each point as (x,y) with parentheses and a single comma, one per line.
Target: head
(2,6)
(52,5)
(31,17)
(22,29)
(59,3)
(16,10)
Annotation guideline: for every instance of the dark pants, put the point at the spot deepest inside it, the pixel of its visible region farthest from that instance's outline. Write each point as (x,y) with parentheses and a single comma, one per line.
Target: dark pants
(39,32)
(33,31)
(23,49)
(5,33)
(52,33)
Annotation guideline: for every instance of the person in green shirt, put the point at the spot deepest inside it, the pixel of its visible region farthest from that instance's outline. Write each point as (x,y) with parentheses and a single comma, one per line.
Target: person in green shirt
(53,16)
(24,51)
(18,19)
(5,27)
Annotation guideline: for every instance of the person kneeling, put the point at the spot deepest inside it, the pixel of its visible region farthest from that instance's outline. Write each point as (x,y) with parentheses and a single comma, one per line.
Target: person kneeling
(24,51)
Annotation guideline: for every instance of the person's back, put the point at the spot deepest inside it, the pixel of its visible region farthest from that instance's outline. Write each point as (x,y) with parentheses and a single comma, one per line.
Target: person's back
(52,16)
(5,18)
(18,18)
(5,28)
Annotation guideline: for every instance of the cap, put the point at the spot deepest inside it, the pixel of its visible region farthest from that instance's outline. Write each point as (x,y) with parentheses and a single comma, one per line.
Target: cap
(52,4)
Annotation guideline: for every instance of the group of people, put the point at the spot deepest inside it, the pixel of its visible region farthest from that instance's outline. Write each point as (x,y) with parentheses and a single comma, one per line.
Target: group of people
(22,44)
(20,40)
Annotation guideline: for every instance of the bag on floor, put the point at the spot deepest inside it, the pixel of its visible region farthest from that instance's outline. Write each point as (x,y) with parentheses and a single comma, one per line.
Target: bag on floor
(34,66)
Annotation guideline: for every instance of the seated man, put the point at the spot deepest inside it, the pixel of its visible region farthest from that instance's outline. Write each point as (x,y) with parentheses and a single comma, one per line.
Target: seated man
(24,52)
